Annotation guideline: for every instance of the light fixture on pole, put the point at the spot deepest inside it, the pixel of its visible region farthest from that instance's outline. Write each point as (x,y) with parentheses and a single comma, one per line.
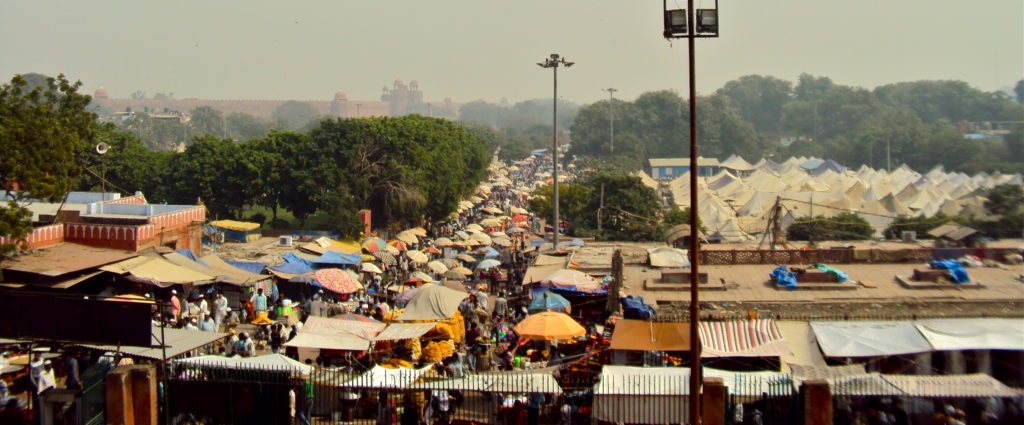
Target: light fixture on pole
(553,62)
(679,23)
(611,121)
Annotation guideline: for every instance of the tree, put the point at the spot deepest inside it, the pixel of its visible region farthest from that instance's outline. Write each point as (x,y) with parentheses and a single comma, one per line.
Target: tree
(217,172)
(245,127)
(294,114)
(843,227)
(921,225)
(572,200)
(759,99)
(630,210)
(1018,91)
(1005,199)
(128,166)
(206,120)
(40,130)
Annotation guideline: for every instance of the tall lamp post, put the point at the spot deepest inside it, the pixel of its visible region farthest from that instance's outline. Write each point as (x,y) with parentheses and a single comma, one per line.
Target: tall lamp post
(679,23)
(611,115)
(553,62)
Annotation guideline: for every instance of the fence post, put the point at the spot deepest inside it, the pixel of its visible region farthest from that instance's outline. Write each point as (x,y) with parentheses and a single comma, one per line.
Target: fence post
(144,394)
(817,402)
(119,397)
(713,401)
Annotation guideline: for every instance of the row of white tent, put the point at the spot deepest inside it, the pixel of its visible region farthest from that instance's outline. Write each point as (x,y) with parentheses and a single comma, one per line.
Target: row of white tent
(738,200)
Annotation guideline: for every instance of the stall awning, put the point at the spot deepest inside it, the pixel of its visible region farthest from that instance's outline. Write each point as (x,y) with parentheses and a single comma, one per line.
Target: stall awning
(802,344)
(270,362)
(178,342)
(335,334)
(233,274)
(742,338)
(381,377)
(643,335)
(158,271)
(520,382)
(869,339)
(397,331)
(65,258)
(973,334)
(948,386)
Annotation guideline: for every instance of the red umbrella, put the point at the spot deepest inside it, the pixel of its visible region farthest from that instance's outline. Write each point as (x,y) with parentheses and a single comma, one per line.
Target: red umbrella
(520,217)
(337,280)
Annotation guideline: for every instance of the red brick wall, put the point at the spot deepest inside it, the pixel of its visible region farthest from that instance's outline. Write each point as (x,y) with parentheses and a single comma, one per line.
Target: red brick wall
(135,199)
(41,237)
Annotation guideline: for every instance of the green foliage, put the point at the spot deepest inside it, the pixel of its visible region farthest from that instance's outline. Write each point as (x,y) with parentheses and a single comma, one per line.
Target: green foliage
(206,120)
(128,165)
(950,100)
(40,130)
(246,127)
(678,216)
(843,227)
(759,99)
(921,225)
(1005,199)
(293,115)
(215,171)
(572,201)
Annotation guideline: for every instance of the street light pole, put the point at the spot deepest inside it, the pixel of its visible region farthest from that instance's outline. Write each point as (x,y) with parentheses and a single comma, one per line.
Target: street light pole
(611,121)
(553,62)
(681,24)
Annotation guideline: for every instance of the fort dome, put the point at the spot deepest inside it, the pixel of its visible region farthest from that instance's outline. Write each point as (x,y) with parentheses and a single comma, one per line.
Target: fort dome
(101,93)
(340,95)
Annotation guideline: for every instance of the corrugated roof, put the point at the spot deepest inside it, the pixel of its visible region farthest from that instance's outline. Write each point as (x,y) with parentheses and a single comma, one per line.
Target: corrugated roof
(178,341)
(66,258)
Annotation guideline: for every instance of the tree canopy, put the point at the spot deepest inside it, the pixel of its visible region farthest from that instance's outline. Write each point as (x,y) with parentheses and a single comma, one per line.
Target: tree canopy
(42,126)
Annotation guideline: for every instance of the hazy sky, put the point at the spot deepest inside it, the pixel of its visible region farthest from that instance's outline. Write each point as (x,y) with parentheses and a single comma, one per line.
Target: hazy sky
(471,49)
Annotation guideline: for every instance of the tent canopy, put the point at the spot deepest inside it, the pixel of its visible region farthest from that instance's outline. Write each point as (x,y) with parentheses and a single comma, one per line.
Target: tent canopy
(973,334)
(644,335)
(742,338)
(178,342)
(869,339)
(271,362)
(433,303)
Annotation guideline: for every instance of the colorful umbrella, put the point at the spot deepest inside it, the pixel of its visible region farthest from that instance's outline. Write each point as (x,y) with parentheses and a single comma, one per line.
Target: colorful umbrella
(337,280)
(417,257)
(491,210)
(454,275)
(437,267)
(487,252)
(371,268)
(398,244)
(372,244)
(489,263)
(501,241)
(549,301)
(520,218)
(474,226)
(419,231)
(386,258)
(408,237)
(450,262)
(431,250)
(420,277)
(490,222)
(466,257)
(498,234)
(392,250)
(443,242)
(548,326)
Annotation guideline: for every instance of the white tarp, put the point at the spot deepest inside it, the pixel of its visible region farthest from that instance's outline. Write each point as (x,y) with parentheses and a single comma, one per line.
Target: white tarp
(869,339)
(973,334)
(264,362)
(651,395)
(522,381)
(664,256)
(381,377)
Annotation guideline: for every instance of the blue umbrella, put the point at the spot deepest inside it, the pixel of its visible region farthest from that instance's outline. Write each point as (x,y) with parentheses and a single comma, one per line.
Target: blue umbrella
(487,252)
(488,263)
(549,301)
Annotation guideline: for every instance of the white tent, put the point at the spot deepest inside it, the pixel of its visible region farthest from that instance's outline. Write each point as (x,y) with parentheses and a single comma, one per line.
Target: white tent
(973,334)
(869,339)
(652,395)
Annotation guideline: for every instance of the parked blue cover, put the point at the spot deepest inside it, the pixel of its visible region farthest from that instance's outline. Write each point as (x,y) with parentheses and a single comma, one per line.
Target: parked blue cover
(782,276)
(187,253)
(332,257)
(249,266)
(841,277)
(954,268)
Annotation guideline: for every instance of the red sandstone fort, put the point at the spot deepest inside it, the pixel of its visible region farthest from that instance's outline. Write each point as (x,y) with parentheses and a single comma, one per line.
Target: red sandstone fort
(400,99)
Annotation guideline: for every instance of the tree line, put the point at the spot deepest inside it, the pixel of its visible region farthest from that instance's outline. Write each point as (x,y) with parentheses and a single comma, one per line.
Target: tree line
(910,122)
(404,170)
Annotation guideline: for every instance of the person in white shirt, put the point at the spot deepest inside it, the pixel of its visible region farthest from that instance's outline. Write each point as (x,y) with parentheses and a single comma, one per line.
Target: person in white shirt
(191,325)
(220,309)
(46,378)
(204,308)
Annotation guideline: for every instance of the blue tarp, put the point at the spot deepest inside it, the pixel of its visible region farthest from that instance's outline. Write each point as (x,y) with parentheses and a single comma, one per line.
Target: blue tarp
(575,242)
(187,253)
(249,266)
(782,276)
(331,257)
(954,268)
(488,252)
(636,308)
(293,264)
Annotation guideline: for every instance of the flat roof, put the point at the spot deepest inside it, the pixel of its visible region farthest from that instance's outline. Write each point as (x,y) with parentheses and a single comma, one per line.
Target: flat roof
(65,258)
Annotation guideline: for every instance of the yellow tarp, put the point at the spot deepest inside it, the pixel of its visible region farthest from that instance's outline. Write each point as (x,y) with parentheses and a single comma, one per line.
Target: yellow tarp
(158,271)
(238,226)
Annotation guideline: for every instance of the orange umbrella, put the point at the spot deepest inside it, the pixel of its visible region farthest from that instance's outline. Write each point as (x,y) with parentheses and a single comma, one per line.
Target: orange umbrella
(548,326)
